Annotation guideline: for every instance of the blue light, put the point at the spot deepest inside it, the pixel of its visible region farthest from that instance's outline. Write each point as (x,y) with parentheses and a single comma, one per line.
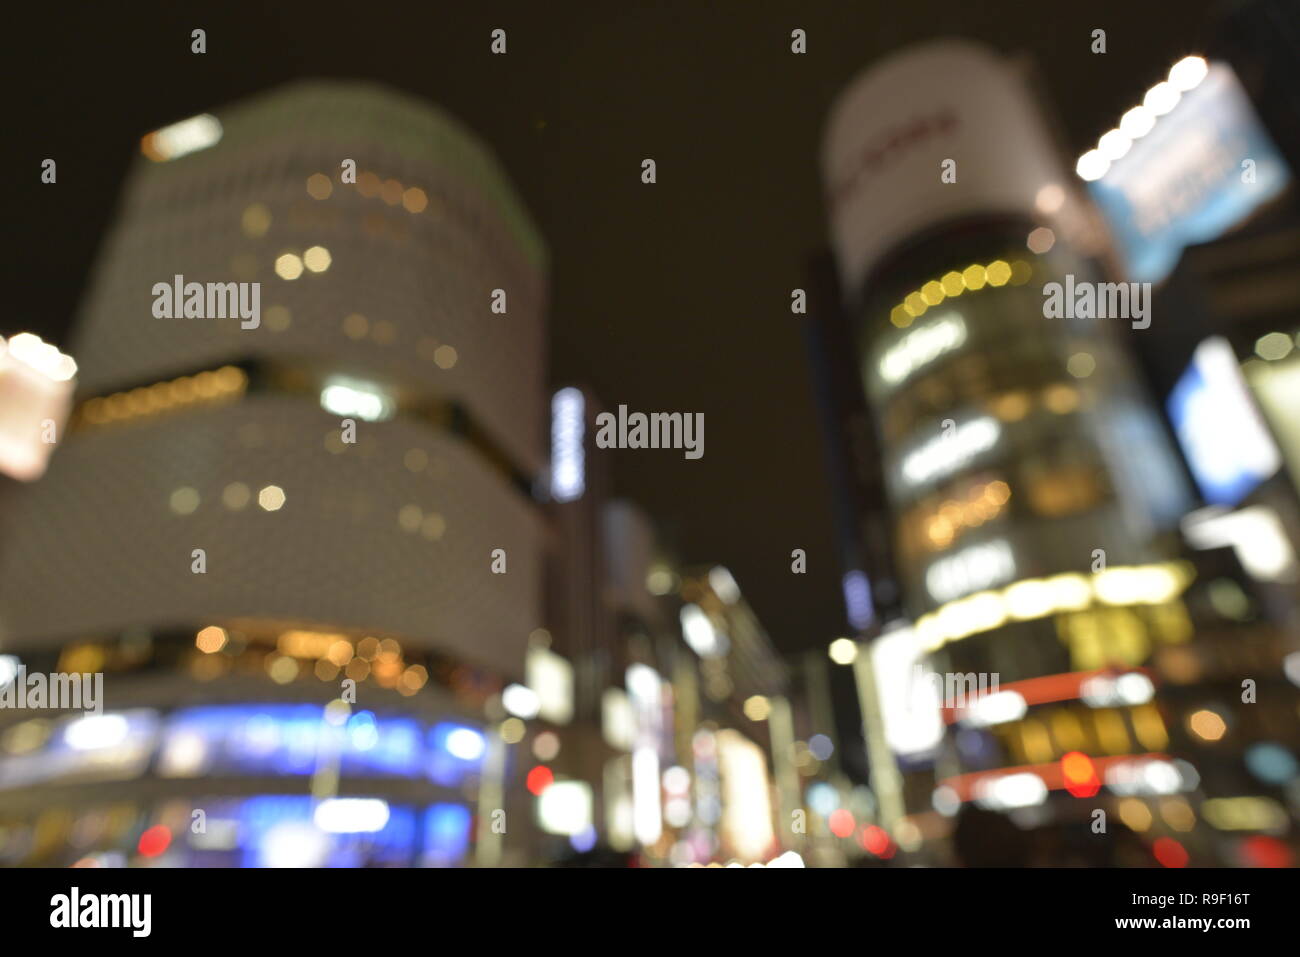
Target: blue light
(446,834)
(455,751)
(584,841)
(857,600)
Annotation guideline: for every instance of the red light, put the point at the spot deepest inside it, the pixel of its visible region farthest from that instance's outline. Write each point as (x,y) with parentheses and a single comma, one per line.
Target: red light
(841,823)
(1264,851)
(154,841)
(1080,774)
(1170,853)
(877,842)
(539,779)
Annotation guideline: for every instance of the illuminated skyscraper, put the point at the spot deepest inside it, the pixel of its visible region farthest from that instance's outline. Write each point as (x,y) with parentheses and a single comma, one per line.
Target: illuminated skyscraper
(1027,523)
(334,486)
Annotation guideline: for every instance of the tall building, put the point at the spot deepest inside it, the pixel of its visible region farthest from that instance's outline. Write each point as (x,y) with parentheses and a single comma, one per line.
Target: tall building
(1030,541)
(333,484)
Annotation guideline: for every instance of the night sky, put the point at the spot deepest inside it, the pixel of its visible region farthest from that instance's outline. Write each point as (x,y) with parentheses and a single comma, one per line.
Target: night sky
(671,297)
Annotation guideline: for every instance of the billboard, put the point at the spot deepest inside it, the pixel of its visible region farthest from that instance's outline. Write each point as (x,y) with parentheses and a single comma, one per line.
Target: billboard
(1200,169)
(1224,439)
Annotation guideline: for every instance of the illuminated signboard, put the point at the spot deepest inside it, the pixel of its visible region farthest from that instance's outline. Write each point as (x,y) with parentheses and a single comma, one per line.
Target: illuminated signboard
(1202,167)
(1227,446)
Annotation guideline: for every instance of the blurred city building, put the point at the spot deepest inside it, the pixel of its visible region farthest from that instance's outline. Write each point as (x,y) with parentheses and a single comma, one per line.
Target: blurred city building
(249,515)
(1042,561)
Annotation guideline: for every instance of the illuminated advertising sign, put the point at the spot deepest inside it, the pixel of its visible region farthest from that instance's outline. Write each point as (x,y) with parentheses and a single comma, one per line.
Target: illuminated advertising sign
(1227,446)
(1202,166)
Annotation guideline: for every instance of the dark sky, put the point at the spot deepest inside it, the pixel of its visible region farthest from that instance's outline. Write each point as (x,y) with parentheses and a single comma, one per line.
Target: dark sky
(666,297)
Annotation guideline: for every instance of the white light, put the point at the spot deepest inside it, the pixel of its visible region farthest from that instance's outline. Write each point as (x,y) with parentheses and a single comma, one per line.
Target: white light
(520,701)
(1256,534)
(909,699)
(972,569)
(997,708)
(1092,165)
(1134,688)
(466,744)
(565,807)
(1050,199)
(1188,72)
(351,815)
(1010,791)
(723,585)
(294,844)
(617,719)
(949,451)
(1103,691)
(700,634)
(647,820)
(551,678)
(788,859)
(366,402)
(1114,145)
(9,665)
(96,731)
(180,139)
(921,346)
(1161,98)
(843,651)
(1291,667)
(33,351)
(1137,122)
(568,457)
(677,780)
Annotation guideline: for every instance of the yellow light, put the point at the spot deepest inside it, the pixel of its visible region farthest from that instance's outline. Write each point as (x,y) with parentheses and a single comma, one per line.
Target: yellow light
(355,326)
(1029,599)
(184,500)
(998,273)
(210,640)
(914,304)
(900,317)
(1061,399)
(1246,813)
(932,292)
(415,200)
(843,651)
(512,730)
(757,708)
(256,220)
(317,259)
(1149,727)
(1207,725)
(444,357)
(953,284)
(1135,814)
(288,266)
(319,186)
(1081,365)
(1178,814)
(271,498)
(974,277)
(340,652)
(281,668)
